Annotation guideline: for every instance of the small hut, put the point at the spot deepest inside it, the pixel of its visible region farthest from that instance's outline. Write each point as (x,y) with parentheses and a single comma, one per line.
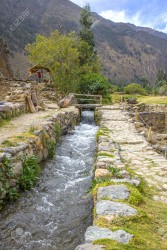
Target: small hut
(38,69)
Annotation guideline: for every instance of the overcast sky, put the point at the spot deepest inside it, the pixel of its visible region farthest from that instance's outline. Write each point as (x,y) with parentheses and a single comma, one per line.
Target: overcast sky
(147,13)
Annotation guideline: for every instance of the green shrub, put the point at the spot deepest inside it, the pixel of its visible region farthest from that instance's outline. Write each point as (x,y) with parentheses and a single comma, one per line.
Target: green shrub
(163,90)
(107,100)
(57,132)
(12,194)
(134,88)
(30,173)
(94,84)
(6,174)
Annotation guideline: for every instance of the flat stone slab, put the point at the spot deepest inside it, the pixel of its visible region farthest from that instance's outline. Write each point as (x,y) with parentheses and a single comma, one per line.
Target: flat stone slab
(114,192)
(111,209)
(102,172)
(97,233)
(125,180)
(89,247)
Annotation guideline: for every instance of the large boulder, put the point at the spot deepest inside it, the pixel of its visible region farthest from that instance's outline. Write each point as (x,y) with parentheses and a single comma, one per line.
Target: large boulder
(67,101)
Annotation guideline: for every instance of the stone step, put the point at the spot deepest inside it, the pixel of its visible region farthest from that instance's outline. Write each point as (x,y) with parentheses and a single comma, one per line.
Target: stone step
(89,247)
(111,209)
(113,192)
(97,233)
(134,182)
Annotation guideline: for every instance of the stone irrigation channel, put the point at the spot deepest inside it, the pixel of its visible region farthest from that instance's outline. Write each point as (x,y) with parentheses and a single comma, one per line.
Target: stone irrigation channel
(119,144)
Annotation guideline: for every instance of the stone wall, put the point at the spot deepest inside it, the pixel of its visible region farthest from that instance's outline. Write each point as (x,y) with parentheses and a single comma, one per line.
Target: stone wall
(142,107)
(9,110)
(156,120)
(40,142)
(19,94)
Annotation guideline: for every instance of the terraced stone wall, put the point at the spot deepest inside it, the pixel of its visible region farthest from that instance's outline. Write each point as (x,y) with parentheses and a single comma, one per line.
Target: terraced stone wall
(37,142)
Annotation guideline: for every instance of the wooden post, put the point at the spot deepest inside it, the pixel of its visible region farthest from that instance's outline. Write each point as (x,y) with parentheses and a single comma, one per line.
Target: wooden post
(150,134)
(101,99)
(125,104)
(137,116)
(30,105)
(121,99)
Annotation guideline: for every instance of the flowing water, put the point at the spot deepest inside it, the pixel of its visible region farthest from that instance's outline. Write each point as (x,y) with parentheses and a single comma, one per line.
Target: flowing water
(56,213)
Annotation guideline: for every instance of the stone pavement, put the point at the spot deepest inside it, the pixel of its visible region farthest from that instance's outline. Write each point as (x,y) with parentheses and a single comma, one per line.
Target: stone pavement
(135,151)
(119,146)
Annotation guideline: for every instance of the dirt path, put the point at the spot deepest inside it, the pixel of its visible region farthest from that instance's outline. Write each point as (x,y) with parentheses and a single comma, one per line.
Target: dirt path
(22,123)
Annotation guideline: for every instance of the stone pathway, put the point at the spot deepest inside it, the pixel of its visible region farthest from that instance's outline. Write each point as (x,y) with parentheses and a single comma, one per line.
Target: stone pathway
(120,145)
(135,151)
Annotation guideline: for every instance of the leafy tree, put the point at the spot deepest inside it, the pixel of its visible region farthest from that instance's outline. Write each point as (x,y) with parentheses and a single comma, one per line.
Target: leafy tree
(60,54)
(134,88)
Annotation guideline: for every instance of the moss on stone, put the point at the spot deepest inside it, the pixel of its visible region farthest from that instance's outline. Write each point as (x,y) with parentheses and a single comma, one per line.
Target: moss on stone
(105,154)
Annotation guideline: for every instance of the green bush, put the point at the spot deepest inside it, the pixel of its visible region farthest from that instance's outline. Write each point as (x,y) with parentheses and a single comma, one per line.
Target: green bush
(30,173)
(163,90)
(94,84)
(134,88)
(107,100)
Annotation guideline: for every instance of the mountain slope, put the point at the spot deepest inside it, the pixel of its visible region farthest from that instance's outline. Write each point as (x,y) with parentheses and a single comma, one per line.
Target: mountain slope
(128,53)
(5,68)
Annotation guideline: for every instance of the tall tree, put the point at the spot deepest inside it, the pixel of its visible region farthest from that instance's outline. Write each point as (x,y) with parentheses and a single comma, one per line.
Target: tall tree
(86,21)
(89,60)
(60,54)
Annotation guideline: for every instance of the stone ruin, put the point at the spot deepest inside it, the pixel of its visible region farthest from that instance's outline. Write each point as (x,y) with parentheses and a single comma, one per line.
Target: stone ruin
(154,117)
(19,97)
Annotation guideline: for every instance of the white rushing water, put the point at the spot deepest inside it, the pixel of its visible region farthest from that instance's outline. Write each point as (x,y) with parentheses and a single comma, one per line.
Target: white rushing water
(56,213)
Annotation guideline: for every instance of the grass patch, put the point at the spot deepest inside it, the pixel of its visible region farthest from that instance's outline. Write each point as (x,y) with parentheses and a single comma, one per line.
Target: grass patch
(99,182)
(149,226)
(135,198)
(105,154)
(57,131)
(141,98)
(114,171)
(130,171)
(100,133)
(4,122)
(9,143)
(13,141)
(32,129)
(152,99)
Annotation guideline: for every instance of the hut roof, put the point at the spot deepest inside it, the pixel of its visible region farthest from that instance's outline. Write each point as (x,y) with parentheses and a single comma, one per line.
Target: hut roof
(35,68)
